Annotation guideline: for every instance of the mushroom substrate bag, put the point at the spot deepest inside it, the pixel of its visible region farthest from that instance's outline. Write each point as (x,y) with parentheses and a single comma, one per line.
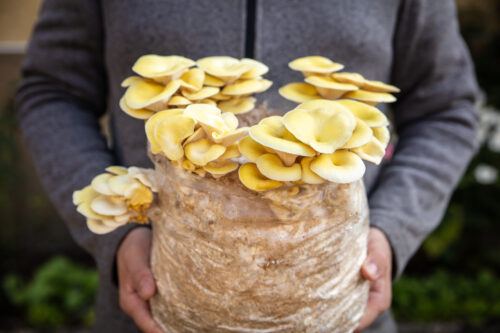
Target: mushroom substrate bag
(227,259)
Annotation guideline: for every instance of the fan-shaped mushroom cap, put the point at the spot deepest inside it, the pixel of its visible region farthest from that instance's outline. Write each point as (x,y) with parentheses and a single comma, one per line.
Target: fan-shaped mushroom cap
(208,101)
(314,64)
(121,184)
(299,92)
(203,151)
(98,226)
(100,184)
(135,113)
(227,69)
(340,167)
(323,129)
(193,79)
(117,170)
(252,178)
(220,168)
(382,134)
(257,69)
(251,149)
(270,132)
(139,195)
(372,116)
(232,151)
(203,93)
(231,120)
(188,165)
(130,81)
(237,105)
(326,104)
(209,117)
(379,86)
(221,97)
(271,166)
(170,133)
(328,88)
(153,122)
(86,194)
(198,134)
(231,137)
(308,176)
(144,176)
(150,95)
(242,87)
(373,151)
(370,97)
(362,135)
(179,101)
(212,81)
(109,205)
(162,68)
(264,85)
(352,78)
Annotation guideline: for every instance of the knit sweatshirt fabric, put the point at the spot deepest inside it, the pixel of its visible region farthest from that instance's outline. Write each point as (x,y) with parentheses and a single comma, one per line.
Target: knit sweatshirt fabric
(80,51)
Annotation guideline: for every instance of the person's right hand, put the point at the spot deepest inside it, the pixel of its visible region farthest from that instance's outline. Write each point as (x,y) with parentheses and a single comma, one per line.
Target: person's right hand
(135,280)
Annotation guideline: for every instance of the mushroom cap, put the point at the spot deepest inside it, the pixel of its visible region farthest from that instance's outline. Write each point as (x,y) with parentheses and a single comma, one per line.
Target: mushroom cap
(362,135)
(237,105)
(179,101)
(271,166)
(209,117)
(220,168)
(144,93)
(372,116)
(221,97)
(170,133)
(382,134)
(203,93)
(109,205)
(130,81)
(232,151)
(315,64)
(340,167)
(231,120)
(264,85)
(227,139)
(373,151)
(224,68)
(198,134)
(370,97)
(212,81)
(270,132)
(155,66)
(139,195)
(99,227)
(323,129)
(117,170)
(299,92)
(203,151)
(379,86)
(308,176)
(326,104)
(100,184)
(352,78)
(252,178)
(251,149)
(121,184)
(242,87)
(135,113)
(86,194)
(328,88)
(257,69)
(193,79)
(146,177)
(208,101)
(153,122)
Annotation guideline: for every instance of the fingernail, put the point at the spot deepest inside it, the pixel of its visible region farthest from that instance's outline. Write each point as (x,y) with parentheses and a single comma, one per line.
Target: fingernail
(371,268)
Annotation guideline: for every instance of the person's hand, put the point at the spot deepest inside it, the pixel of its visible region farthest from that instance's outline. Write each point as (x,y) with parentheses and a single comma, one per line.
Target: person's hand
(377,268)
(135,280)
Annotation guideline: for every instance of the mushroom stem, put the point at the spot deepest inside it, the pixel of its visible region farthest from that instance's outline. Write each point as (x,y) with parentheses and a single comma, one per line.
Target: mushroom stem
(329,93)
(286,158)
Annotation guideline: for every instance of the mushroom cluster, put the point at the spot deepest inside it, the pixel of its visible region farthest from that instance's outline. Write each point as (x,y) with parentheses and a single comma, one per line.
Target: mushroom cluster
(323,80)
(173,82)
(320,140)
(199,138)
(116,197)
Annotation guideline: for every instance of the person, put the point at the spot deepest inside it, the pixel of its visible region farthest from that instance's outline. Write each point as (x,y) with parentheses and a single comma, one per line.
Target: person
(80,51)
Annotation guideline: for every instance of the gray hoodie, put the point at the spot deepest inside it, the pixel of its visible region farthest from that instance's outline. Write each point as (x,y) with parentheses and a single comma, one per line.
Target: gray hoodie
(82,50)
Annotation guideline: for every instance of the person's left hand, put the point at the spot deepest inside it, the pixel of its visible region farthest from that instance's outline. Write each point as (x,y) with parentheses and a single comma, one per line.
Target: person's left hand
(377,268)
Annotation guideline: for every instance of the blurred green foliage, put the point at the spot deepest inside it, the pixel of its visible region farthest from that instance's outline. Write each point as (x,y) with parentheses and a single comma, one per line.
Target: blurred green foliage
(60,293)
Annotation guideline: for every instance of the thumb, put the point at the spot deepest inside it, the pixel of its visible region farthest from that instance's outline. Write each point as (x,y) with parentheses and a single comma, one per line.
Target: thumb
(371,269)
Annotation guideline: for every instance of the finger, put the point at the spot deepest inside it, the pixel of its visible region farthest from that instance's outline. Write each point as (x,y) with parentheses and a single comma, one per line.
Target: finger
(138,268)
(139,311)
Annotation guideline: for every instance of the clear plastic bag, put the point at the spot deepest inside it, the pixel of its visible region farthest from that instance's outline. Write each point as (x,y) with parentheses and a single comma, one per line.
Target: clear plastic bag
(227,259)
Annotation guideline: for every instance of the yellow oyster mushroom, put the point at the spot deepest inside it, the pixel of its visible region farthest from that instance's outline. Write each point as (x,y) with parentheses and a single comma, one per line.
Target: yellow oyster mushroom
(340,167)
(329,88)
(193,79)
(188,165)
(117,170)
(257,69)
(198,134)
(178,100)
(86,194)
(373,151)
(352,78)
(149,95)
(231,120)
(100,184)
(242,87)
(208,101)
(228,138)
(212,81)
(326,104)
(315,65)
(370,97)
(130,81)
(162,69)
(379,86)
(325,130)
(232,151)
(308,176)
(250,149)
(252,178)
(120,184)
(270,132)
(299,92)
(135,113)
(139,195)
(99,227)
(372,116)
(170,133)
(151,124)
(271,166)
(109,205)
(220,168)
(362,135)
(382,134)
(221,97)
(209,117)
(203,151)
(237,105)
(227,69)
(264,85)
(203,93)
(147,177)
